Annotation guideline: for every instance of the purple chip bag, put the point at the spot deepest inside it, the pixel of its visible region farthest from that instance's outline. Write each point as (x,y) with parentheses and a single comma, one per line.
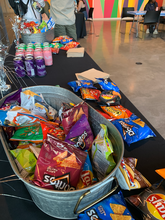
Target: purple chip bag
(80,135)
(13,99)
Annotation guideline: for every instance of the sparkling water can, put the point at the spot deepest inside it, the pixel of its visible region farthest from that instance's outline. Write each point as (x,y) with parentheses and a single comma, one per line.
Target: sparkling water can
(29,52)
(20,52)
(19,66)
(47,53)
(40,66)
(30,45)
(29,63)
(38,53)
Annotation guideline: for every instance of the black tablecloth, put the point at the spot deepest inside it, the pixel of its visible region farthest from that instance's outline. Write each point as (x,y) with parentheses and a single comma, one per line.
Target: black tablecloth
(80,25)
(150,152)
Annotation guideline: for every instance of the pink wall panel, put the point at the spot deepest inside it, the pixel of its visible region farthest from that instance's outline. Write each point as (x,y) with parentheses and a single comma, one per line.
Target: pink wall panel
(108,6)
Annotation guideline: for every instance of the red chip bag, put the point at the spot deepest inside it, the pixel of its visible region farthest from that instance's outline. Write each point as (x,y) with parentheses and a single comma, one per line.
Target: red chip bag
(70,117)
(51,128)
(90,94)
(59,165)
(69,45)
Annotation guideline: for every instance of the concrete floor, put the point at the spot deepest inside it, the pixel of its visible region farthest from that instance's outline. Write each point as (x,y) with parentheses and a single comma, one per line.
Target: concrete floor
(117,53)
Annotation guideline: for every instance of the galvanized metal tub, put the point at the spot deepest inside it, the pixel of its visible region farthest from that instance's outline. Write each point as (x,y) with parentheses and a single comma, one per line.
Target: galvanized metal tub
(47,36)
(61,204)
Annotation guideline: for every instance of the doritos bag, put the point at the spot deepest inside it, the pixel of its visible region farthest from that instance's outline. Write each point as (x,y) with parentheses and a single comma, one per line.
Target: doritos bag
(59,165)
(80,135)
(111,208)
(105,85)
(70,117)
(133,129)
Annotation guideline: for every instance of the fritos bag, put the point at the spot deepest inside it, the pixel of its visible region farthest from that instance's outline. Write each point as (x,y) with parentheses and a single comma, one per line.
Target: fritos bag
(80,135)
(59,165)
(70,117)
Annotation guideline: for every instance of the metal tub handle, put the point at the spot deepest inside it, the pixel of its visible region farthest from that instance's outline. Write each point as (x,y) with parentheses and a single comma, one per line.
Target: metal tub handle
(98,200)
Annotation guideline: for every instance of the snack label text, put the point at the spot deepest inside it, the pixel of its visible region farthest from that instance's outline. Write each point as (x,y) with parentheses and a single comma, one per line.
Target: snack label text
(127,129)
(93,214)
(80,140)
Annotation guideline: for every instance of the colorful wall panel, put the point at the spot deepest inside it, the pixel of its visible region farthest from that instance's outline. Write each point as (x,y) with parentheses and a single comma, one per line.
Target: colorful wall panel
(113,8)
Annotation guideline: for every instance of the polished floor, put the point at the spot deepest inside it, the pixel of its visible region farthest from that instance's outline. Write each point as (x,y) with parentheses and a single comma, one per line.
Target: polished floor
(117,53)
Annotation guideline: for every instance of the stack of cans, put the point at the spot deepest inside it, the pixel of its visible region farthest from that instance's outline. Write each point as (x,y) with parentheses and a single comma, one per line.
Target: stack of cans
(32,58)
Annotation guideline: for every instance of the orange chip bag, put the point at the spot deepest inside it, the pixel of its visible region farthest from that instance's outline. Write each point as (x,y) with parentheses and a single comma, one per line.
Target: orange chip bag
(117,111)
(90,94)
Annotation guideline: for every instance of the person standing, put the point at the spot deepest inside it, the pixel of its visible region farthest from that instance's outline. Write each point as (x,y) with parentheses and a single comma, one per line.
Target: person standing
(82,8)
(62,12)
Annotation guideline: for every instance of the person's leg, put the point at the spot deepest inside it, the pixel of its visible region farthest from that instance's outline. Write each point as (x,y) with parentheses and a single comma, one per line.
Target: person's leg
(60,30)
(147,30)
(71,31)
(45,9)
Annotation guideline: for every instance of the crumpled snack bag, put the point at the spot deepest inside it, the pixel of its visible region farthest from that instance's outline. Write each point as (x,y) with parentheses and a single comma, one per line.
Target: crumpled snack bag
(108,117)
(86,176)
(51,128)
(133,129)
(26,159)
(117,111)
(78,84)
(111,208)
(70,117)
(151,202)
(80,135)
(37,105)
(32,134)
(106,85)
(64,107)
(90,94)
(13,99)
(9,132)
(59,165)
(128,177)
(109,98)
(102,150)
(69,45)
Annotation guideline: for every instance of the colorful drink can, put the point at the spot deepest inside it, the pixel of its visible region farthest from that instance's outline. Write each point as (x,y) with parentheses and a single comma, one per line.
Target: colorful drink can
(38,52)
(19,67)
(47,53)
(29,52)
(40,66)
(30,45)
(22,46)
(20,52)
(29,63)
(37,45)
(46,44)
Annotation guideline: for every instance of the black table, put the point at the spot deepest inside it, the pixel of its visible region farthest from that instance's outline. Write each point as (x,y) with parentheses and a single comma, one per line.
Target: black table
(150,152)
(80,25)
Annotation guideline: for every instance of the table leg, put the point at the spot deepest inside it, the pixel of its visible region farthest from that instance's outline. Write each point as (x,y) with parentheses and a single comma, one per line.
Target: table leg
(132,24)
(137,22)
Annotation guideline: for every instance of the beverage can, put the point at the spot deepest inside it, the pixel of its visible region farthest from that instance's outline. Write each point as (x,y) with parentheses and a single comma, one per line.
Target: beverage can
(19,67)
(40,66)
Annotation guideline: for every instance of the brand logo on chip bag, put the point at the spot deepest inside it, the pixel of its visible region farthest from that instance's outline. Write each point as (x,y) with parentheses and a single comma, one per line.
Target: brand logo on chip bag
(113,111)
(60,182)
(86,178)
(127,129)
(156,205)
(93,214)
(79,140)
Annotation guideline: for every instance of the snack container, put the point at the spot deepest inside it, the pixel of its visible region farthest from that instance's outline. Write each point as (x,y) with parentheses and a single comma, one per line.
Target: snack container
(66,204)
(40,37)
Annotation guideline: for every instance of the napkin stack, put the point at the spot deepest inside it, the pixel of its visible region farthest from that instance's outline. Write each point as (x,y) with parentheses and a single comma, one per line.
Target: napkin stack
(75,52)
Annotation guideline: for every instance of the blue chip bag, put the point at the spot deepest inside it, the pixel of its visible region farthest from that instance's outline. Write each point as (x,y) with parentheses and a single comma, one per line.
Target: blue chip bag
(66,40)
(105,85)
(113,207)
(133,129)
(76,85)
(86,176)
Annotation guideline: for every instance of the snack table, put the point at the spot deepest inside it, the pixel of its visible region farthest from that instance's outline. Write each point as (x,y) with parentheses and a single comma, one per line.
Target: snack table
(150,152)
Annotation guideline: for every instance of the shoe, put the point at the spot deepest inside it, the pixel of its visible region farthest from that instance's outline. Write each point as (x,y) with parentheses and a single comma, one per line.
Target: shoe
(155,31)
(147,31)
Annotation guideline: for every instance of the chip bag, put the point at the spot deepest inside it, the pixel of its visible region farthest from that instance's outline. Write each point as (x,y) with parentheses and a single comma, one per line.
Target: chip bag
(76,85)
(59,165)
(105,85)
(69,45)
(151,202)
(51,128)
(102,157)
(32,134)
(70,117)
(80,135)
(110,98)
(111,208)
(117,111)
(133,129)
(108,117)
(37,105)
(26,159)
(128,177)
(90,94)
(13,99)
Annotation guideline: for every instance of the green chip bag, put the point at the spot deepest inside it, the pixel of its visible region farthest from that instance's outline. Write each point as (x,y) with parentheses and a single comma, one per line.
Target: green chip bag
(32,134)
(26,159)
(102,150)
